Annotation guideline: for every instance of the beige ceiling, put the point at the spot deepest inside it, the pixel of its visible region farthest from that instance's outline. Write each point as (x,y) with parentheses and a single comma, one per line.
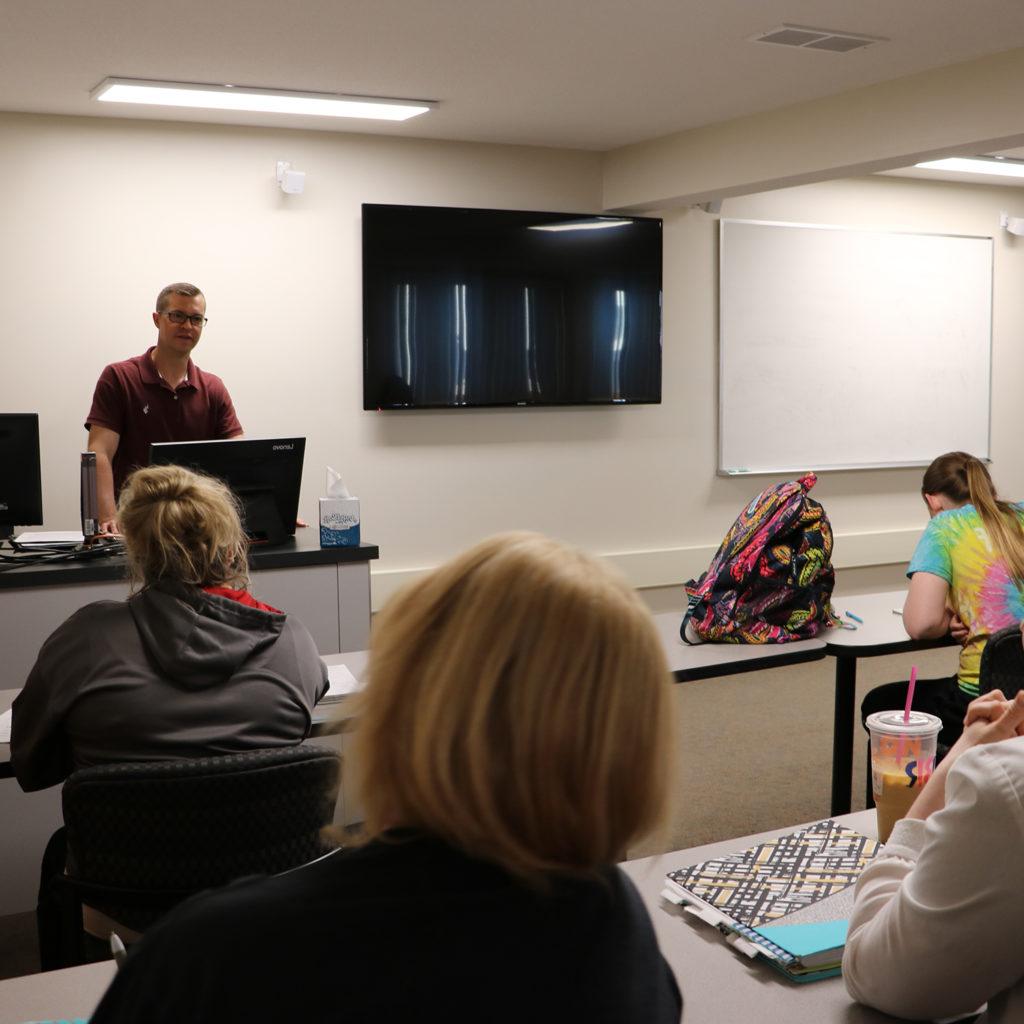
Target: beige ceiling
(593,74)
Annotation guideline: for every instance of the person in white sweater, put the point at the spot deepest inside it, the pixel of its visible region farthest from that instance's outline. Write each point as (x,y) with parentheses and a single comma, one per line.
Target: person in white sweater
(938,923)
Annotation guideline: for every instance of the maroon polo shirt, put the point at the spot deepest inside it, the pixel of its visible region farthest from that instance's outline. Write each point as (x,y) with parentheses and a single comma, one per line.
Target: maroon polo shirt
(133,400)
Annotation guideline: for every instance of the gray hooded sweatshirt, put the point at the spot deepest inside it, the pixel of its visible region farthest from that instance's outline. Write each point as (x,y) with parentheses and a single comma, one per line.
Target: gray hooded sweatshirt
(169,673)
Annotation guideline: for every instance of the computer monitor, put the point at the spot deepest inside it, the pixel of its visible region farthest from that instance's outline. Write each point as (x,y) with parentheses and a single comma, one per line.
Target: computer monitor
(21,490)
(264,473)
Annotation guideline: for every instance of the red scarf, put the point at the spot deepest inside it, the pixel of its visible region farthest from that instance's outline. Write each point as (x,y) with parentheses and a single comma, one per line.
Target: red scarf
(242,597)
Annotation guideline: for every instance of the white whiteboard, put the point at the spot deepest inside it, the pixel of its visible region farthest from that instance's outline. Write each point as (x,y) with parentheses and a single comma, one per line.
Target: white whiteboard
(842,348)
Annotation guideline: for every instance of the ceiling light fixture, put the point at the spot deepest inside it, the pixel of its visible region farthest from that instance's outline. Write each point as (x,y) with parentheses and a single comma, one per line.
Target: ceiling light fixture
(976,165)
(581,225)
(270,101)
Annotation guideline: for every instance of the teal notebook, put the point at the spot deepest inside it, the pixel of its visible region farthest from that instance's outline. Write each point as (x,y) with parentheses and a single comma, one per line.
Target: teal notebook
(76,1020)
(814,943)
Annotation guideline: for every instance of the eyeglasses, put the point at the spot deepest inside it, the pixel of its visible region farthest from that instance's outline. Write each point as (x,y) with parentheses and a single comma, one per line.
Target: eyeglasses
(177,317)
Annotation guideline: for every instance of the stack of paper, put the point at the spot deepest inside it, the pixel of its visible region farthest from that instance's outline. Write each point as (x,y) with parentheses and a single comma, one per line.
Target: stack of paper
(50,539)
(342,683)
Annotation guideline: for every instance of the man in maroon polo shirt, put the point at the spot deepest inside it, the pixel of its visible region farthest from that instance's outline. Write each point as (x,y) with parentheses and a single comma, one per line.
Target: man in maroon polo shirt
(158,396)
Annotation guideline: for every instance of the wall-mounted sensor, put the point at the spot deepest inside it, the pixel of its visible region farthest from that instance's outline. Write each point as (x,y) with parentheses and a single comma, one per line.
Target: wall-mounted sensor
(1015,225)
(292,182)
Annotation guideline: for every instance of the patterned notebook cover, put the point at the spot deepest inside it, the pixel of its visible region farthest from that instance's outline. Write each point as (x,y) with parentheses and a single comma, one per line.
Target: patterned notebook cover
(781,876)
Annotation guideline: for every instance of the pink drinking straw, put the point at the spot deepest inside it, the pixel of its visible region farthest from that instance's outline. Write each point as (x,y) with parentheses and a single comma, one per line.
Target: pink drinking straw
(910,693)
(906,710)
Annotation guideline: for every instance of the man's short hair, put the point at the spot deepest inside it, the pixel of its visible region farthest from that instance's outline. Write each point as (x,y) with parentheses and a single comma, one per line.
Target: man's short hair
(178,288)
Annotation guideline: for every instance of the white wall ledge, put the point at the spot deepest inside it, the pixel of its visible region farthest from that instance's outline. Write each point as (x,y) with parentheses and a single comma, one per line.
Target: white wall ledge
(667,567)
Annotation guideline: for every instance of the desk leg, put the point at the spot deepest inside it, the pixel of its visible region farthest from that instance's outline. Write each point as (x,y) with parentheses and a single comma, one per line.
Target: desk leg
(842,734)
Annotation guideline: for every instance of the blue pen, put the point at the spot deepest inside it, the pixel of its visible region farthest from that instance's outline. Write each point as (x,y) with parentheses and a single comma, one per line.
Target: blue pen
(856,618)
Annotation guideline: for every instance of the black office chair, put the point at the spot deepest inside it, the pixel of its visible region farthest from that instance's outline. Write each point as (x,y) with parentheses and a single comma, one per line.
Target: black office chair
(141,837)
(1002,663)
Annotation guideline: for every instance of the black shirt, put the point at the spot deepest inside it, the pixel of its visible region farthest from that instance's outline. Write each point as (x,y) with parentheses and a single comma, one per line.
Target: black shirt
(401,930)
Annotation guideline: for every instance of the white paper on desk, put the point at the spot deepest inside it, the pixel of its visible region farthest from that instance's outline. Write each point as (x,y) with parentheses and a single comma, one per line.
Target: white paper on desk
(5,727)
(42,538)
(341,683)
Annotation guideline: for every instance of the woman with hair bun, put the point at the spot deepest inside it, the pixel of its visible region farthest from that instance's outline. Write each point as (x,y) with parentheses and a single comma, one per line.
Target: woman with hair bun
(513,738)
(190,665)
(966,577)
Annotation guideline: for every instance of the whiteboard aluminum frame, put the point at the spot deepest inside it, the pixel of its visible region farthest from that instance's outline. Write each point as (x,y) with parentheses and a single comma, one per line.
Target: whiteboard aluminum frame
(721,470)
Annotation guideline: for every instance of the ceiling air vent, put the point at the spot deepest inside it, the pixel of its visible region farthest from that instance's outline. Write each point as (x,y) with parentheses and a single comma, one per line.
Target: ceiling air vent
(816,39)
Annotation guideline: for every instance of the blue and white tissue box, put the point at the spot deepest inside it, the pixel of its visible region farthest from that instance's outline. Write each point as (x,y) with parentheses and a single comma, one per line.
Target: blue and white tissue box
(339,522)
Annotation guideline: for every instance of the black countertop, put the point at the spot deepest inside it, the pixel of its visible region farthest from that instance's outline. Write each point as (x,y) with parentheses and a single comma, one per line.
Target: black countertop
(303,549)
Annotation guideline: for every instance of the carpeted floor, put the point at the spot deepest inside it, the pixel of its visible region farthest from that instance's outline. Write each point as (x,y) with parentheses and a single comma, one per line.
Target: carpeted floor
(756,750)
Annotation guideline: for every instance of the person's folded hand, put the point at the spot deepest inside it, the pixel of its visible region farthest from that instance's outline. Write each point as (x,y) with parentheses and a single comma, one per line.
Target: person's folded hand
(957,630)
(991,718)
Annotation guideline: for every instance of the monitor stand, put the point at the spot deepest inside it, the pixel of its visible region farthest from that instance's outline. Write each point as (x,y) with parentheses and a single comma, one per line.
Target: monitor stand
(261,518)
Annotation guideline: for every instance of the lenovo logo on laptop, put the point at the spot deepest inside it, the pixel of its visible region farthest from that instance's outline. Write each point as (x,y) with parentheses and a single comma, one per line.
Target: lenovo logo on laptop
(284,447)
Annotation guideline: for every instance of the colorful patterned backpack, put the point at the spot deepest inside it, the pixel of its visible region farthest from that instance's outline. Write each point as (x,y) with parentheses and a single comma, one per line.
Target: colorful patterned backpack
(771,580)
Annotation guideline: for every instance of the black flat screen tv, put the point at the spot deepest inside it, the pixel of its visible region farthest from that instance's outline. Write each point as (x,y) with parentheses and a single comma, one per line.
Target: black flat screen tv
(466,307)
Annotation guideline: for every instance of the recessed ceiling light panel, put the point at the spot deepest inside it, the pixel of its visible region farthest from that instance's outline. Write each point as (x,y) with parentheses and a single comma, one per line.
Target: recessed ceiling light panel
(270,101)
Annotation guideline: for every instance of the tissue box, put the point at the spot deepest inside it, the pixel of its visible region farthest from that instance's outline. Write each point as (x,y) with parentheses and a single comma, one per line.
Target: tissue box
(339,522)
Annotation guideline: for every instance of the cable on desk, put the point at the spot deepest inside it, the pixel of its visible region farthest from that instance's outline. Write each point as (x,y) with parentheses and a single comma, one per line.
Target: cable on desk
(50,555)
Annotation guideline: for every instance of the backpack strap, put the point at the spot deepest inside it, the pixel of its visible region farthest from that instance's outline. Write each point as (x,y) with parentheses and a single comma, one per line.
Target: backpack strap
(687,615)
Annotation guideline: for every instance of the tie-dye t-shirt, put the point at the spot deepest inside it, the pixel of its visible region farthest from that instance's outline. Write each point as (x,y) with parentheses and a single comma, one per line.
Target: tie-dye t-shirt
(955,546)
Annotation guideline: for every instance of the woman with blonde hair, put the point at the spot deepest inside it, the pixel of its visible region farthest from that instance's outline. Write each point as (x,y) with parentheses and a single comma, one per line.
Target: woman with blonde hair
(190,665)
(966,576)
(513,738)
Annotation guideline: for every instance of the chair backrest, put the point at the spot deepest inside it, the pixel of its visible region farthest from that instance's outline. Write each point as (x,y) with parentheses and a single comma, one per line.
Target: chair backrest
(1002,662)
(142,836)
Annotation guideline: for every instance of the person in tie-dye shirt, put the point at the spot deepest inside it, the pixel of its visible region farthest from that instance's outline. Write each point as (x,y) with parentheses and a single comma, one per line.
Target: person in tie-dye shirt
(966,577)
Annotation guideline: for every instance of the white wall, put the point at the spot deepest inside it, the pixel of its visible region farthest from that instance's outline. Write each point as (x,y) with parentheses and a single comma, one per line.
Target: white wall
(876,515)
(105,212)
(98,214)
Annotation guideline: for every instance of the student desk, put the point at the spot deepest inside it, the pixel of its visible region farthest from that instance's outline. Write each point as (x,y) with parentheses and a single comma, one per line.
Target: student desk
(55,995)
(720,985)
(702,661)
(880,633)
(689,662)
(39,814)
